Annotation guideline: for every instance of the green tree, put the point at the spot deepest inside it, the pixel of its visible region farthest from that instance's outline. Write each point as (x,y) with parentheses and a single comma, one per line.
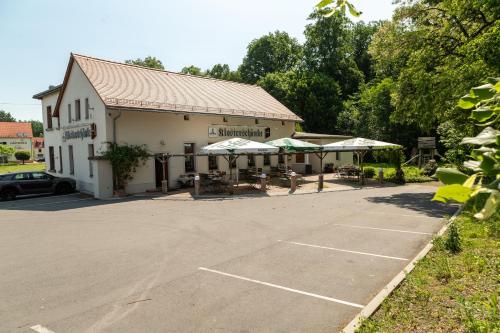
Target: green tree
(274,52)
(328,50)
(437,49)
(193,70)
(149,61)
(223,72)
(37,127)
(361,37)
(6,116)
(315,97)
(22,155)
(5,152)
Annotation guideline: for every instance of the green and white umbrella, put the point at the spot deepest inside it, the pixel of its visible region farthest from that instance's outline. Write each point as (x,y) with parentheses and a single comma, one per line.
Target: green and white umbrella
(359,144)
(294,145)
(237,146)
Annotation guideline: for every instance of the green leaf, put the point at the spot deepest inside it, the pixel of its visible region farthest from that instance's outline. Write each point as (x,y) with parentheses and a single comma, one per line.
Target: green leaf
(470,181)
(353,10)
(324,3)
(486,137)
(488,163)
(482,114)
(490,207)
(454,192)
(451,176)
(495,81)
(468,102)
(486,91)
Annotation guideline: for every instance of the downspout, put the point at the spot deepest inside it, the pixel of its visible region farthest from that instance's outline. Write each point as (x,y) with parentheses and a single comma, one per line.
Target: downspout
(114,125)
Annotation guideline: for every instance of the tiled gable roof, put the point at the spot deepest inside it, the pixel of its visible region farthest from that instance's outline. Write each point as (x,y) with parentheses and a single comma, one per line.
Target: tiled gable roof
(133,87)
(15,130)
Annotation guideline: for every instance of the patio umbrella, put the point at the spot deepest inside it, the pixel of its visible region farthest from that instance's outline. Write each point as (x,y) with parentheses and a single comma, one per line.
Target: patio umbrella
(293,145)
(233,147)
(360,146)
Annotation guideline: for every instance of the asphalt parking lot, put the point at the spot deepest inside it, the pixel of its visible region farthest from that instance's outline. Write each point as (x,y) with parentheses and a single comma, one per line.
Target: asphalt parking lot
(300,263)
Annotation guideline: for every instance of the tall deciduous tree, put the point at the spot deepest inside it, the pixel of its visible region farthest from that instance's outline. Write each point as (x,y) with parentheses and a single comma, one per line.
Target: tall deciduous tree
(6,116)
(275,52)
(328,50)
(149,61)
(193,70)
(223,72)
(313,96)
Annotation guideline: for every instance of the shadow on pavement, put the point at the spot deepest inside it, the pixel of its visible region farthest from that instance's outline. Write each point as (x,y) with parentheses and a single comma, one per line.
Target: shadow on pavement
(420,202)
(53,203)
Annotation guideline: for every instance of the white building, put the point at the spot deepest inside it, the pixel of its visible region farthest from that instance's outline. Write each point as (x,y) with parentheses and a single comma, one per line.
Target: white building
(16,135)
(102,101)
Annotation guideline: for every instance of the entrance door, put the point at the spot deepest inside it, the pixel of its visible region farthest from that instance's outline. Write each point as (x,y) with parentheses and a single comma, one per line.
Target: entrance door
(159,176)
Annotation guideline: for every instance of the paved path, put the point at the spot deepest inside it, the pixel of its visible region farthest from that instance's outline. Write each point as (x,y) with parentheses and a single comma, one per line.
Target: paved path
(302,263)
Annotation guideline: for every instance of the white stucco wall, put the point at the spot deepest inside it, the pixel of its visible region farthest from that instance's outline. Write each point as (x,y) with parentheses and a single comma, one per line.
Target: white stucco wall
(78,87)
(18,144)
(167,133)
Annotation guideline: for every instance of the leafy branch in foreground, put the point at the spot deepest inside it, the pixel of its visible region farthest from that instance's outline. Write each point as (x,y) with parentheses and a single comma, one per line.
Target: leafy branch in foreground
(334,6)
(481,188)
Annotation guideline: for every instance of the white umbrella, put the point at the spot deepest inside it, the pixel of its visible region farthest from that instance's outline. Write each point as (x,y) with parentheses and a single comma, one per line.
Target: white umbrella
(359,144)
(235,146)
(238,146)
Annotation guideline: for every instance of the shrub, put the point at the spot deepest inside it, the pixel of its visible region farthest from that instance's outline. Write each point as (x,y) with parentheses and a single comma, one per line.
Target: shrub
(22,155)
(453,243)
(430,168)
(369,172)
(124,160)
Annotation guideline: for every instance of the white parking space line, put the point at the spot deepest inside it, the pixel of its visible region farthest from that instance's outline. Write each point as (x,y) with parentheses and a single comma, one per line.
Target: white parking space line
(330,299)
(41,329)
(383,229)
(343,250)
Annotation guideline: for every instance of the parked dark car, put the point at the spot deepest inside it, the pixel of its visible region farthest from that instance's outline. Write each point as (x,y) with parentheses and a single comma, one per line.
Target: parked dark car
(33,182)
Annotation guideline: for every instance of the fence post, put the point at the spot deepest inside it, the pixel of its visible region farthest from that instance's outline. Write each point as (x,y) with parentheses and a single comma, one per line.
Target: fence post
(263,182)
(197,185)
(293,182)
(320,182)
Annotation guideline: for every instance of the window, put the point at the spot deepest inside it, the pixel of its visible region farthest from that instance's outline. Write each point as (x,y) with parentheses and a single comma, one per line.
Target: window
(337,156)
(60,160)
(51,159)
(256,121)
(282,123)
(186,117)
(49,117)
(212,162)
(22,176)
(224,119)
(267,159)
(281,158)
(189,159)
(39,176)
(71,161)
(78,114)
(69,114)
(300,158)
(91,154)
(251,160)
(87,109)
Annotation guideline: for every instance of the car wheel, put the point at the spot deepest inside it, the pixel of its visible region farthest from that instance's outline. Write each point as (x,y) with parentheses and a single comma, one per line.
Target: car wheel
(64,188)
(8,194)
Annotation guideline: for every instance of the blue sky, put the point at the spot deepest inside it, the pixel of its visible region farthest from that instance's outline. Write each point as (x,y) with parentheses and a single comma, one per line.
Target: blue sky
(37,36)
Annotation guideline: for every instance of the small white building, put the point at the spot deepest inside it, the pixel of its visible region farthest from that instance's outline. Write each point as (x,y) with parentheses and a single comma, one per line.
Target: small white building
(103,101)
(16,135)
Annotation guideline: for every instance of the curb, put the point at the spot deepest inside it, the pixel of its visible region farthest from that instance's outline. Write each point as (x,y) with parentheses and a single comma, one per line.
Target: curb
(374,304)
